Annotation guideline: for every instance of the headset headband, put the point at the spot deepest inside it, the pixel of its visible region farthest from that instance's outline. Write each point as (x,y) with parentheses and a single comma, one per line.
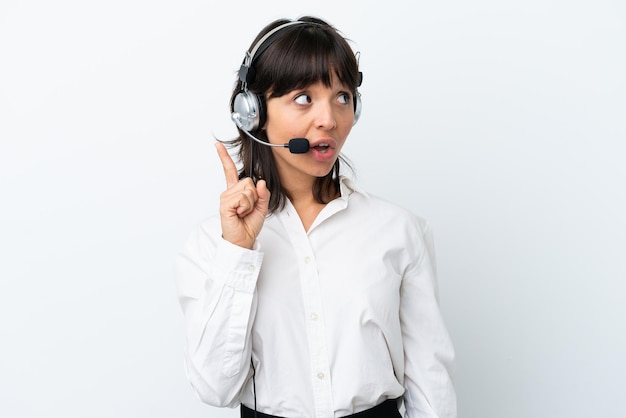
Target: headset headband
(260,47)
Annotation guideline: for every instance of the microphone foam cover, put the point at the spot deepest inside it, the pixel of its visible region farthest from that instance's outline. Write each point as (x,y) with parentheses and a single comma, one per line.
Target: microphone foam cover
(299,145)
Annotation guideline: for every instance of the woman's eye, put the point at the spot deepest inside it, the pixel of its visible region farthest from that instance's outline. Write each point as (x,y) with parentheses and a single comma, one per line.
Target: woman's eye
(344,98)
(303,99)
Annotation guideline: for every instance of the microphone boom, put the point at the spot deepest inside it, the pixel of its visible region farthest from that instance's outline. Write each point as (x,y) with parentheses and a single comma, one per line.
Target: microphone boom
(295,145)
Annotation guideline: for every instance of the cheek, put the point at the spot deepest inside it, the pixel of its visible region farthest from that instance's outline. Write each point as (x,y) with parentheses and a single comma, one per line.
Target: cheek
(276,129)
(345,128)
(347,121)
(278,119)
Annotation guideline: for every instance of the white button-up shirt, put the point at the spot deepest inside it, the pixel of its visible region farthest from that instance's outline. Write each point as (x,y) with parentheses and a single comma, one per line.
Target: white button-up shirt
(335,320)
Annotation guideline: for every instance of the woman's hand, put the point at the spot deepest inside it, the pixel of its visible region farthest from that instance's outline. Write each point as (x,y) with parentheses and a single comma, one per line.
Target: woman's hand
(243,206)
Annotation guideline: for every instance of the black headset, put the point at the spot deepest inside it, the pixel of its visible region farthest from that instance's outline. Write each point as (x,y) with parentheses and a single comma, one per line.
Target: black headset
(249,108)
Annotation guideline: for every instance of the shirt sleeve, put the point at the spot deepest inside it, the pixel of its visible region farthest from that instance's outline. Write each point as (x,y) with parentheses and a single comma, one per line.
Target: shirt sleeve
(428,351)
(216,282)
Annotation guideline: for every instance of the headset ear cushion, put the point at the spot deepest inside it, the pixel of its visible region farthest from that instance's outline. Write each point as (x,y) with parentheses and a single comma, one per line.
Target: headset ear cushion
(248,111)
(357,107)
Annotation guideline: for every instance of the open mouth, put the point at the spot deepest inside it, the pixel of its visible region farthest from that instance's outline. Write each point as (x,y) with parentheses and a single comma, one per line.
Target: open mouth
(322,148)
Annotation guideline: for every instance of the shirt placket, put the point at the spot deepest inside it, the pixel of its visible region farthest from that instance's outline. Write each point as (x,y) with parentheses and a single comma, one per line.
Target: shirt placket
(314,315)
(320,368)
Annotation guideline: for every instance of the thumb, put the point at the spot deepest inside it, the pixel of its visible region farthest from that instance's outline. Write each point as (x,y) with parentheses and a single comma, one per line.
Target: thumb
(264,195)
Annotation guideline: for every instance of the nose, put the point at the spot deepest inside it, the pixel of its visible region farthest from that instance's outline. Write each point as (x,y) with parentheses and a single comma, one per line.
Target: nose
(325,116)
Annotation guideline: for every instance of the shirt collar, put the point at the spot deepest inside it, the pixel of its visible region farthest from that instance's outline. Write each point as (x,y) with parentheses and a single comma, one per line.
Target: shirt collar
(347,186)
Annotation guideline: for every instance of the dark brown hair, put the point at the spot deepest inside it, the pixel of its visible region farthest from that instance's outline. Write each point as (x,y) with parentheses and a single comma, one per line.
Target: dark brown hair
(301,56)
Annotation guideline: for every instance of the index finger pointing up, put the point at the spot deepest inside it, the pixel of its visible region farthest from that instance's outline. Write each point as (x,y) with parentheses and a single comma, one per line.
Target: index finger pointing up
(230,170)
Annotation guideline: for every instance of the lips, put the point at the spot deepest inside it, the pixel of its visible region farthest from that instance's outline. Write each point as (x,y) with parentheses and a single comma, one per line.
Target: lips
(323,149)
(324,143)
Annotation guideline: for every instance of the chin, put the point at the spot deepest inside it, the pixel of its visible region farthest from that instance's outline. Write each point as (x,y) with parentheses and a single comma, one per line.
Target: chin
(323,173)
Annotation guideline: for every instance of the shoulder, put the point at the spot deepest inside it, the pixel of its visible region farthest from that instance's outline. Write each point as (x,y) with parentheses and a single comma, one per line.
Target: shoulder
(379,210)
(206,233)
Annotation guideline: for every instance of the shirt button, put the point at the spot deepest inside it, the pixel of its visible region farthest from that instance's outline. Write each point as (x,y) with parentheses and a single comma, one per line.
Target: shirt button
(314,316)
(320,376)
(307,260)
(250,267)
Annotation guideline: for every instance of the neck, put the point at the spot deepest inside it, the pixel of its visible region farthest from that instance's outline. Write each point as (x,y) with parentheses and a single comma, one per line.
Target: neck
(303,191)
(304,202)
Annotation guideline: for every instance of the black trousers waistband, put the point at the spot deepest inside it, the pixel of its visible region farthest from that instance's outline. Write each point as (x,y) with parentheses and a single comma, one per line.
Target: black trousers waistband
(387,409)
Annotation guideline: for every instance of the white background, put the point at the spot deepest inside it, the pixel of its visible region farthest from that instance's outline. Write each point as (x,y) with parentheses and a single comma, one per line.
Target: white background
(502,123)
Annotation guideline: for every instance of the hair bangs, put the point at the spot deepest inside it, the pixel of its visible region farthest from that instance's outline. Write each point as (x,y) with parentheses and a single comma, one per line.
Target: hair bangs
(305,56)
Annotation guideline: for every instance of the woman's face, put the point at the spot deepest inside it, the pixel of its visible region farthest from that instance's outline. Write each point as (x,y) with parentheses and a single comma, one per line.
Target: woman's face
(323,115)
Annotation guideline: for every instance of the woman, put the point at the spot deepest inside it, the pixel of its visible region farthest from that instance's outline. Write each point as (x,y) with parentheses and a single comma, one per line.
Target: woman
(305,296)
